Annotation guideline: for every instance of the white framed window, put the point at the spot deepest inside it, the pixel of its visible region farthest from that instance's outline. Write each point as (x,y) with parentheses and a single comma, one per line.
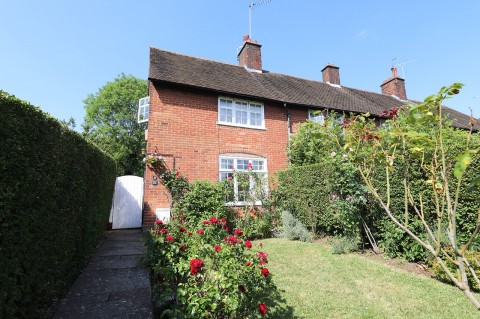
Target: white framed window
(316,116)
(320,117)
(243,174)
(240,113)
(143,109)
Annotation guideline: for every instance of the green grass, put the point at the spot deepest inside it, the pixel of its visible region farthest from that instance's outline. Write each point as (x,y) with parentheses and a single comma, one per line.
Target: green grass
(318,284)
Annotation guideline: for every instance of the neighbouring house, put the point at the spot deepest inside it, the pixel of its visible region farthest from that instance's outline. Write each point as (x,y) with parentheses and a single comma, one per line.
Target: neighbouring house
(207,118)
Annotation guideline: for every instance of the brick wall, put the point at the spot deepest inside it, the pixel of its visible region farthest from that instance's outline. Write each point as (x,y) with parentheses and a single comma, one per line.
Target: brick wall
(183,123)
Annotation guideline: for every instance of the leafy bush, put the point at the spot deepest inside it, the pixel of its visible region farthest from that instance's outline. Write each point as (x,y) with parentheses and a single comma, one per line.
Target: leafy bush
(55,197)
(473,258)
(207,272)
(344,245)
(293,229)
(203,200)
(255,226)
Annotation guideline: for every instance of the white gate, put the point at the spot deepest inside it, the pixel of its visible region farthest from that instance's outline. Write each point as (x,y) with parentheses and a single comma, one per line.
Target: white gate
(127,202)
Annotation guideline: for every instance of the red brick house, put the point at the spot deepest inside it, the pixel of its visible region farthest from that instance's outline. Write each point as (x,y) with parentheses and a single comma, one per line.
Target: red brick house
(206,117)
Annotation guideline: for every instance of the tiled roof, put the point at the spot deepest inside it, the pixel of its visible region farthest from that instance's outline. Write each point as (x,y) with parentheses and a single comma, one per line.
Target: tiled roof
(233,79)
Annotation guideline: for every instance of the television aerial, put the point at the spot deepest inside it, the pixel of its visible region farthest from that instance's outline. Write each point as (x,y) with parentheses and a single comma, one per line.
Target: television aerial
(252,6)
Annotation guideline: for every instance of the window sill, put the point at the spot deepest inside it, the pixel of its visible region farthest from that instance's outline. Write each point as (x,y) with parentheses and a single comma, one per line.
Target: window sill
(233,204)
(262,128)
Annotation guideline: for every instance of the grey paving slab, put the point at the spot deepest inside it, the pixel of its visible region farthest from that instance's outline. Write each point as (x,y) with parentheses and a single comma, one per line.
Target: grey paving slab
(113,285)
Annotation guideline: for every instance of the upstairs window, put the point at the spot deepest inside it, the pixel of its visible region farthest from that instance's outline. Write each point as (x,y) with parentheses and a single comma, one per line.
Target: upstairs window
(320,117)
(244,187)
(240,113)
(143,108)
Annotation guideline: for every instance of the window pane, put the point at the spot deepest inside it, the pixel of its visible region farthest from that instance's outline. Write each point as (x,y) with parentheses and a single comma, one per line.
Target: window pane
(241,117)
(225,103)
(255,119)
(241,105)
(226,163)
(242,164)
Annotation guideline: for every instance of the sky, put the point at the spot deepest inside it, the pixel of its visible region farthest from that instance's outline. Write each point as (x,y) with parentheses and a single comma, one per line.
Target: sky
(54,53)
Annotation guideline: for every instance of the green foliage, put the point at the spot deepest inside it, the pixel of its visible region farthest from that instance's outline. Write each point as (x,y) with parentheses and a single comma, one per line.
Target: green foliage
(255,226)
(473,258)
(111,122)
(55,197)
(293,229)
(344,245)
(204,199)
(205,272)
(313,142)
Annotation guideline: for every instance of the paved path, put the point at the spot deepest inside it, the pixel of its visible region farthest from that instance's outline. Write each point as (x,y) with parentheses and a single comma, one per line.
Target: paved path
(113,285)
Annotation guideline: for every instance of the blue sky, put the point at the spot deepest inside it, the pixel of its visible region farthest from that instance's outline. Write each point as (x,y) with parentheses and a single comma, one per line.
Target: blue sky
(54,53)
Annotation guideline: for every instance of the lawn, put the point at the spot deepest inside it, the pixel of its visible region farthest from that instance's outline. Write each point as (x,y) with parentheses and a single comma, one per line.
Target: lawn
(319,284)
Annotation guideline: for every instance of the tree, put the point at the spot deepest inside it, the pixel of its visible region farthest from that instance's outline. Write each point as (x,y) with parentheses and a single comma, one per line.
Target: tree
(420,135)
(111,122)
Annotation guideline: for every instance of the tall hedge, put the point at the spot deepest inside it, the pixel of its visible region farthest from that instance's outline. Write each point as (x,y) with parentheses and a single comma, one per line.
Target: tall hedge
(306,193)
(55,196)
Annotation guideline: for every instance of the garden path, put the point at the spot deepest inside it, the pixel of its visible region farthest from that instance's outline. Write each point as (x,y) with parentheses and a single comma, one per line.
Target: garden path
(113,285)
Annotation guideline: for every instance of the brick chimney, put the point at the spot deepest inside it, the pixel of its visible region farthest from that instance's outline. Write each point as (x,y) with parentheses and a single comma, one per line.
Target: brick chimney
(394,85)
(250,55)
(331,74)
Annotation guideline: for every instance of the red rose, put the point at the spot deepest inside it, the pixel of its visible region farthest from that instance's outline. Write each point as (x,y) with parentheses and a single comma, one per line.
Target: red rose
(214,220)
(183,248)
(249,166)
(224,220)
(217,248)
(262,256)
(231,240)
(248,264)
(262,309)
(206,222)
(248,244)
(183,229)
(265,272)
(242,288)
(169,238)
(263,263)
(190,233)
(226,228)
(158,222)
(163,230)
(196,265)
(185,191)
(200,232)
(238,232)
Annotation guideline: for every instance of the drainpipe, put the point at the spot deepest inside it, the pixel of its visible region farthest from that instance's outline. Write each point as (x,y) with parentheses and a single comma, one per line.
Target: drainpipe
(288,130)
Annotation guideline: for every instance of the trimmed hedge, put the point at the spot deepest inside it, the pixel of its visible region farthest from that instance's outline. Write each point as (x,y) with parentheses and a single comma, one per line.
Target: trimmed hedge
(305,192)
(55,197)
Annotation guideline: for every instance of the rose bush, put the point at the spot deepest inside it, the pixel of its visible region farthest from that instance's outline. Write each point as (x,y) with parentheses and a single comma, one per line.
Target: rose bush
(208,272)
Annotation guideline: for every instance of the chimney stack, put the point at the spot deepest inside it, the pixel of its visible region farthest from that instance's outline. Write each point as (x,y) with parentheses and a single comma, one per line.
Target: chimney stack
(394,85)
(250,55)
(331,74)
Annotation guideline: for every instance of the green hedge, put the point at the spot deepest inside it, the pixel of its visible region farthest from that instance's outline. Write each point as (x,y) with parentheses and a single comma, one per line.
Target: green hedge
(55,198)
(306,194)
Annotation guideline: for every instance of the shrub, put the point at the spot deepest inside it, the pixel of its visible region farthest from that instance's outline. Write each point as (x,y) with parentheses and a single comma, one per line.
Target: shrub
(293,229)
(344,245)
(473,257)
(55,197)
(203,200)
(207,272)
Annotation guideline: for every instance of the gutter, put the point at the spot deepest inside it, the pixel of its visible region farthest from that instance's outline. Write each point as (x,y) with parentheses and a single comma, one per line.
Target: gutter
(287,111)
